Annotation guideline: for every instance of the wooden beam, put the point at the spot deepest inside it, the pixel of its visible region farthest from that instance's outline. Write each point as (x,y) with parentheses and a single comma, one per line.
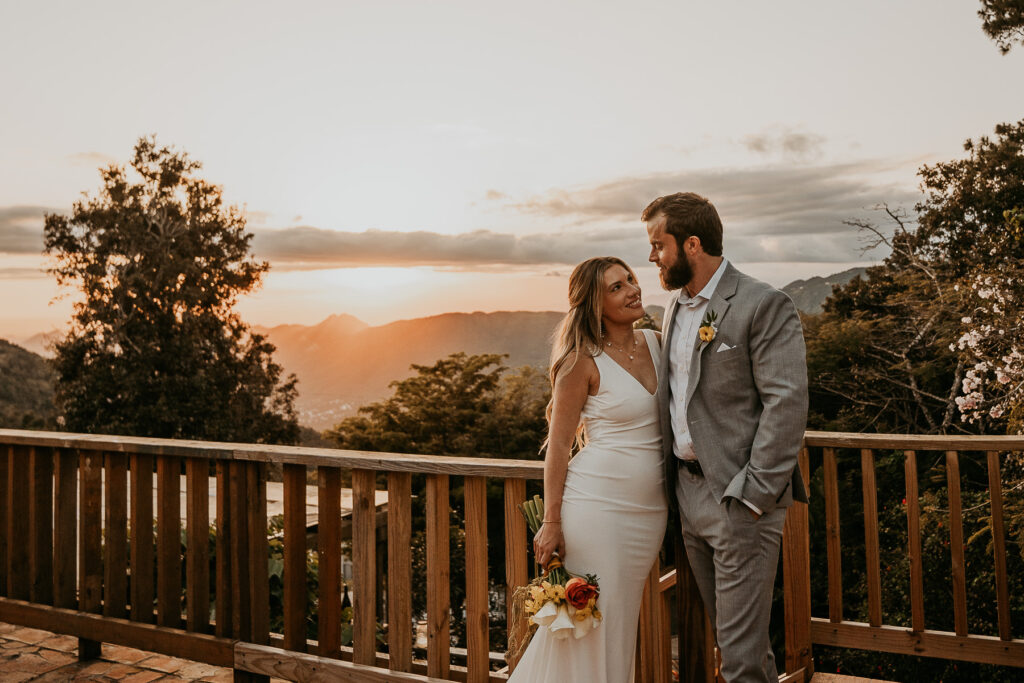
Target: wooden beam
(438,590)
(477,603)
(173,642)
(399,589)
(903,641)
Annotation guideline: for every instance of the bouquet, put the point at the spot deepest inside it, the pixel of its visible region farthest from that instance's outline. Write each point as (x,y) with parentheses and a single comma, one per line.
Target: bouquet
(564,603)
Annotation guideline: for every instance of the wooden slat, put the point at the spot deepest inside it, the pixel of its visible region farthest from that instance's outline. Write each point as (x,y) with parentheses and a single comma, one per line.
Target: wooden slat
(834,548)
(241,613)
(995,489)
(168,549)
(364,568)
(172,642)
(65,529)
(516,569)
(914,542)
(197,548)
(40,522)
(329,551)
(438,590)
(141,545)
(400,571)
(90,549)
(5,492)
(870,494)
(19,475)
(295,557)
(796,580)
(258,549)
(115,535)
(90,532)
(903,641)
(222,549)
(647,668)
(477,603)
(956,543)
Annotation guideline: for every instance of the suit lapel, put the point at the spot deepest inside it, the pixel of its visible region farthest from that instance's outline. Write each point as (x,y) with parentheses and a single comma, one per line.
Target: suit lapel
(719,303)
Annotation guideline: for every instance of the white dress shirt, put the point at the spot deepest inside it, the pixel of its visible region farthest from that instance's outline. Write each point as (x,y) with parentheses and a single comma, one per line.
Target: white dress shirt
(689,315)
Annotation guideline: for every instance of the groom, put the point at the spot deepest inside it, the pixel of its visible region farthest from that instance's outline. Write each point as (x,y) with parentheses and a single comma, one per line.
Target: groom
(733,416)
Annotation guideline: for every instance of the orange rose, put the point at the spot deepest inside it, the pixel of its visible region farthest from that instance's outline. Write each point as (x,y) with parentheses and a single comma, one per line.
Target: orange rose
(578,592)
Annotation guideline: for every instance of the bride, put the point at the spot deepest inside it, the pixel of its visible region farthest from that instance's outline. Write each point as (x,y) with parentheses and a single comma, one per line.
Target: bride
(605,508)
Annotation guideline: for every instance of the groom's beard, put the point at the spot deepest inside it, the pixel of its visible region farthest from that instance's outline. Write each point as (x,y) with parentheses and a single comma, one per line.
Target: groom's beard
(677,275)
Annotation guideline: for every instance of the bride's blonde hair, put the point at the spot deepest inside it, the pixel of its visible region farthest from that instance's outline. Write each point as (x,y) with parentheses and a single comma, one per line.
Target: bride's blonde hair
(581,329)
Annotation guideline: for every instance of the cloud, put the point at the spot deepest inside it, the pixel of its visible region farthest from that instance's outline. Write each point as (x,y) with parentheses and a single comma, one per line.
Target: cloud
(21,229)
(91,159)
(776,200)
(789,144)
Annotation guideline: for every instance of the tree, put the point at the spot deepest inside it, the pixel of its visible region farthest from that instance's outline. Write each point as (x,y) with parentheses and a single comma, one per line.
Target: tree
(1003,22)
(155,347)
(883,355)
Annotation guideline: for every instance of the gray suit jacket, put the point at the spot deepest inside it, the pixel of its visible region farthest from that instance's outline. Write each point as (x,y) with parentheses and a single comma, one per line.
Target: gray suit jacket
(746,407)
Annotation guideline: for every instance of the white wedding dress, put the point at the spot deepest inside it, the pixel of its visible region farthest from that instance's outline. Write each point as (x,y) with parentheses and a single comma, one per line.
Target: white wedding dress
(613,517)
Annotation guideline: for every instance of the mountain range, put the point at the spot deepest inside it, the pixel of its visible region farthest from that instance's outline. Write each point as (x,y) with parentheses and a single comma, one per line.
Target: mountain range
(343,363)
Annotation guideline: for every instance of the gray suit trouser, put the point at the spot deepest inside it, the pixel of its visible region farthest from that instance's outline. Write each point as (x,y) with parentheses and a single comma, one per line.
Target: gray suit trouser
(734,560)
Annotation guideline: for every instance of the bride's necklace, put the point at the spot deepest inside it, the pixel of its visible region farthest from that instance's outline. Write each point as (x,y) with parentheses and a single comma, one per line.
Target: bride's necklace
(622,350)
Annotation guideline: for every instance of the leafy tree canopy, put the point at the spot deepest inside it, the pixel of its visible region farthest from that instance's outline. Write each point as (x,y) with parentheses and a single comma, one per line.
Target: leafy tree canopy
(1003,22)
(155,347)
(889,352)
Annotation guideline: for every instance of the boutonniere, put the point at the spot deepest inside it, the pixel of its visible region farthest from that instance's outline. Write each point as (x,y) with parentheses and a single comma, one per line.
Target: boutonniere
(708,328)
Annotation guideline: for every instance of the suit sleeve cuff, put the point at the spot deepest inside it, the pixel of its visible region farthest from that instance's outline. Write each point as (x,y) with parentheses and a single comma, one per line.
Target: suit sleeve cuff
(752,506)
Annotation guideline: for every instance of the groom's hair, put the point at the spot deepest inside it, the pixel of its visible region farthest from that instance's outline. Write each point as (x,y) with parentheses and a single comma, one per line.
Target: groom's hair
(688,214)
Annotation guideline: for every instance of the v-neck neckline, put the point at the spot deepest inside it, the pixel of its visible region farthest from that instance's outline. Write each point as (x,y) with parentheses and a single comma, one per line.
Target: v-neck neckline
(635,378)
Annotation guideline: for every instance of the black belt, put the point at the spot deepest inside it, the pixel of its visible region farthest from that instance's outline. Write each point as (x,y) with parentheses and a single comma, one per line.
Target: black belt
(692,466)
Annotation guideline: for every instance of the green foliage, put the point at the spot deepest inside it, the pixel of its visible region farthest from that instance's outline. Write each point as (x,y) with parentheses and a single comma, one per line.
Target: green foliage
(1003,22)
(26,389)
(156,348)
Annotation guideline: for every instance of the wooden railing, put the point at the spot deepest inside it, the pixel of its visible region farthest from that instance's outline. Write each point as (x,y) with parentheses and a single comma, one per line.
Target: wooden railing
(78,555)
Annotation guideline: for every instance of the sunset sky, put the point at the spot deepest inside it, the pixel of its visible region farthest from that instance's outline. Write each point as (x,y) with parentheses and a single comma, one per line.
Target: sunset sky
(402,159)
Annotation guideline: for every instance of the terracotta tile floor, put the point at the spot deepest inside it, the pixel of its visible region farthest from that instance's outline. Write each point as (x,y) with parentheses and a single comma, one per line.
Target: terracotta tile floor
(28,654)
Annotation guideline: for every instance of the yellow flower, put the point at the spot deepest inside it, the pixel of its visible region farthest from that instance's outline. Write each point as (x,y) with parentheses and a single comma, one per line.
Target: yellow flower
(530,606)
(581,614)
(536,593)
(597,614)
(707,333)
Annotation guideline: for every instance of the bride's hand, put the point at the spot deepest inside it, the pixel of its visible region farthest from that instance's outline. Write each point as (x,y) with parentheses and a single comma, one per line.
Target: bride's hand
(547,542)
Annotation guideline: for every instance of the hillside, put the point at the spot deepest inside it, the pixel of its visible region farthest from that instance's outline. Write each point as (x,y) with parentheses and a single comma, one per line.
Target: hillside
(809,295)
(343,364)
(26,388)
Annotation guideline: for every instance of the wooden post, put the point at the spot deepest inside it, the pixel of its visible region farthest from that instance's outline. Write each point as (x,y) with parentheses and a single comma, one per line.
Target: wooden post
(914,542)
(168,555)
(40,522)
(956,543)
(18,577)
(399,591)
(796,581)
(65,529)
(142,589)
(197,528)
(364,547)
(438,590)
(90,537)
(295,557)
(516,570)
(477,603)
(870,494)
(995,489)
(5,495)
(834,548)
(115,541)
(329,550)
(224,606)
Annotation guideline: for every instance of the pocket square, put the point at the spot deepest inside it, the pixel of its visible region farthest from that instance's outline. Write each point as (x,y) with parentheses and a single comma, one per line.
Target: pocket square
(724,347)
